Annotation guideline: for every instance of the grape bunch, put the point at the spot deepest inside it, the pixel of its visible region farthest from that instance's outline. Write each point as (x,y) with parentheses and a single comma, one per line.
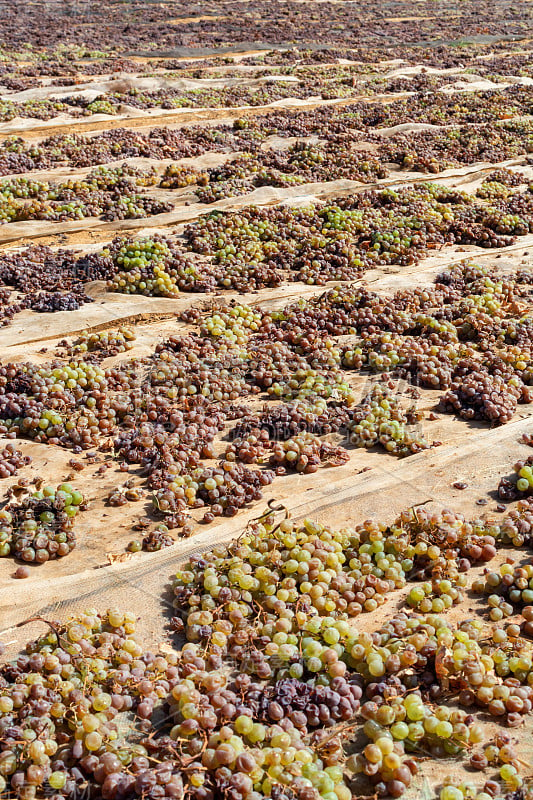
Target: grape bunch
(99,345)
(305,453)
(11,460)
(39,527)
(379,419)
(508,587)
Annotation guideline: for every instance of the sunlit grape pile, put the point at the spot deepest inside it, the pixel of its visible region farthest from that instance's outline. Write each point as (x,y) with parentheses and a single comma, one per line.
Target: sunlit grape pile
(110,193)
(266,379)
(341,240)
(284,718)
(166,410)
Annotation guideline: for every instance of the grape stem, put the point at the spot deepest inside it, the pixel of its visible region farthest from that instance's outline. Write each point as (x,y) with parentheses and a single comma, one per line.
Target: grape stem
(51,625)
